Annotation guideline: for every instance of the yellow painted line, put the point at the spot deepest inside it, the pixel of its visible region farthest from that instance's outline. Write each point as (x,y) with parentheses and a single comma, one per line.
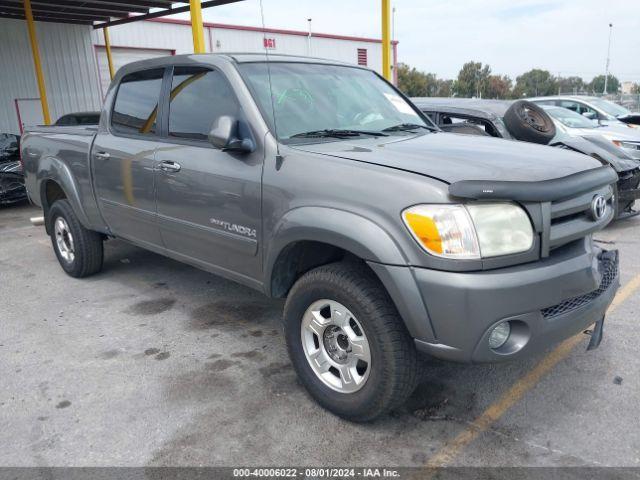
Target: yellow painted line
(520,388)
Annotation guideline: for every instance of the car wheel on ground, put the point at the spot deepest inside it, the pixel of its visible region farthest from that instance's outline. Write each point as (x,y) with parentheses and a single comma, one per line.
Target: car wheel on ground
(528,122)
(79,251)
(347,342)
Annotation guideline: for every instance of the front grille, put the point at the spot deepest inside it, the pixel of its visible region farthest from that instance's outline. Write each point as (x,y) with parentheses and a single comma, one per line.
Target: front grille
(571,218)
(609,274)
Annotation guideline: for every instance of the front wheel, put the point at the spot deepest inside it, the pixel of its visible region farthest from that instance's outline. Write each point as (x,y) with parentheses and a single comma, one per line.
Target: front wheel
(347,342)
(79,250)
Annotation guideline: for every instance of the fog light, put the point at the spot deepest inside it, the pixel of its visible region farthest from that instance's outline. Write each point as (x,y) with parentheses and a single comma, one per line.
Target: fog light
(499,335)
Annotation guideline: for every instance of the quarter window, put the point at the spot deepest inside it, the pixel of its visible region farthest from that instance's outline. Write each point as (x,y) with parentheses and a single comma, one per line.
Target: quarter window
(198,97)
(136,107)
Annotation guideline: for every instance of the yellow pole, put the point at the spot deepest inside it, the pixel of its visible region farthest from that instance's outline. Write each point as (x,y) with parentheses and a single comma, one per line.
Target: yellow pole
(386,39)
(28,15)
(196,26)
(107,46)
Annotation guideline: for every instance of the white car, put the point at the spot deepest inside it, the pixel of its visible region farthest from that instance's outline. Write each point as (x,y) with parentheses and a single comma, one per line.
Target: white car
(575,125)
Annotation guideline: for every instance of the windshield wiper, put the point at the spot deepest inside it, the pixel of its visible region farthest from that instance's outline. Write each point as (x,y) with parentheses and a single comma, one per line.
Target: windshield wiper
(337,133)
(405,127)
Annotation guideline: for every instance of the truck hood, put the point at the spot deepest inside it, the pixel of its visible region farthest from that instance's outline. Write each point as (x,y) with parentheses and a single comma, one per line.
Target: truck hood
(452,157)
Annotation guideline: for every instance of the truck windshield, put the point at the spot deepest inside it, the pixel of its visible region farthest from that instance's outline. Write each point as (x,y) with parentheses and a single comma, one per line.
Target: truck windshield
(315,102)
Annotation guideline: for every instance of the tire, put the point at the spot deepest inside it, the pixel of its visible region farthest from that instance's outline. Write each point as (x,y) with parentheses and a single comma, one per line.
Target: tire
(528,122)
(390,376)
(79,251)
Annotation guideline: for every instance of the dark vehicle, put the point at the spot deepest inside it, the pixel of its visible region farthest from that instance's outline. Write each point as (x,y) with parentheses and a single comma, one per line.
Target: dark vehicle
(80,118)
(320,182)
(525,121)
(11,178)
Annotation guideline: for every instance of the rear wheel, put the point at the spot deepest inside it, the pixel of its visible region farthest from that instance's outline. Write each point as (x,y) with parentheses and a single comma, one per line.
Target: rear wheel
(347,342)
(79,250)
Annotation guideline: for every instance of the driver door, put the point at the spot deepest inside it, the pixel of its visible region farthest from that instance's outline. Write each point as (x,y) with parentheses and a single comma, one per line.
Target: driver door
(208,200)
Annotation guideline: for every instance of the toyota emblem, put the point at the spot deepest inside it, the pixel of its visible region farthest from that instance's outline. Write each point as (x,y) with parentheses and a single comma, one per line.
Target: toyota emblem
(598,207)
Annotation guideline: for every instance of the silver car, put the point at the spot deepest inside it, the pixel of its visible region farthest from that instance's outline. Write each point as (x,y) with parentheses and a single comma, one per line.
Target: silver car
(573,124)
(594,108)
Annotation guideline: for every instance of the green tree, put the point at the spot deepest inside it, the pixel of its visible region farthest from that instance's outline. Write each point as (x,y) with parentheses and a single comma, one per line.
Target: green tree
(597,84)
(535,83)
(497,86)
(444,88)
(415,83)
(572,85)
(472,79)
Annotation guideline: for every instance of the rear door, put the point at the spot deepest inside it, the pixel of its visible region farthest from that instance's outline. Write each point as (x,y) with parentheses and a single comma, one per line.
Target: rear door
(123,159)
(208,200)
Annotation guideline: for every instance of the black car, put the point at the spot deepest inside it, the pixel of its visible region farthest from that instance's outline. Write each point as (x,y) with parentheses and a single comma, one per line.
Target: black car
(78,118)
(11,177)
(526,121)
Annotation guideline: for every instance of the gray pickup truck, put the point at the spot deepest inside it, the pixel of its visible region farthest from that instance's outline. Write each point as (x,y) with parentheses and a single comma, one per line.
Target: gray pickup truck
(320,182)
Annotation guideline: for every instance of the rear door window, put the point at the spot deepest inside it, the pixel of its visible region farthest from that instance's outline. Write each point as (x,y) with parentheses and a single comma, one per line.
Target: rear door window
(135,110)
(199,96)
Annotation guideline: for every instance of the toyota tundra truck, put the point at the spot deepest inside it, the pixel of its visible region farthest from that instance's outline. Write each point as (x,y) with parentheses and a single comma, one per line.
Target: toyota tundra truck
(322,183)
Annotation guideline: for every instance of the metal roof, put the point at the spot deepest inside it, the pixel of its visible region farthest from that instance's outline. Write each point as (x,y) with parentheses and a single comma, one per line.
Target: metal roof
(102,11)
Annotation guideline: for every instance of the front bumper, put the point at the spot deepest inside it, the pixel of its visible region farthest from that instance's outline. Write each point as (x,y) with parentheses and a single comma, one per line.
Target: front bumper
(547,301)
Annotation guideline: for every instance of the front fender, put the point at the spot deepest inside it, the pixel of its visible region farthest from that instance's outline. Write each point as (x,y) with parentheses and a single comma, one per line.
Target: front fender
(54,169)
(364,239)
(339,228)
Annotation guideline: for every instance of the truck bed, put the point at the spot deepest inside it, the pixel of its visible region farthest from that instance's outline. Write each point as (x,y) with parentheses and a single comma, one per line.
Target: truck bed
(62,153)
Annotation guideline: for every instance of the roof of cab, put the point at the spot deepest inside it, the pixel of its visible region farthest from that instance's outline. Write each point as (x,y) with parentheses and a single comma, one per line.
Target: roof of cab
(200,58)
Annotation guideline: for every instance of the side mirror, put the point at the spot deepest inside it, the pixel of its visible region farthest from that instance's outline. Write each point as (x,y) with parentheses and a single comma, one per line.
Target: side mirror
(590,115)
(231,135)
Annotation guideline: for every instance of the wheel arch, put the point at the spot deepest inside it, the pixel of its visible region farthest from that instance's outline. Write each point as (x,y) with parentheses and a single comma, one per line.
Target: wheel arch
(308,237)
(56,181)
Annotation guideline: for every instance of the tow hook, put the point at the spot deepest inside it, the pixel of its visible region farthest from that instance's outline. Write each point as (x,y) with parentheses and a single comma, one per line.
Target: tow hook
(596,334)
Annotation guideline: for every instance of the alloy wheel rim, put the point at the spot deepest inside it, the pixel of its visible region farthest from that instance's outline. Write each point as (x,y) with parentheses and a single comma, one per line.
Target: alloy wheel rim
(336,346)
(64,240)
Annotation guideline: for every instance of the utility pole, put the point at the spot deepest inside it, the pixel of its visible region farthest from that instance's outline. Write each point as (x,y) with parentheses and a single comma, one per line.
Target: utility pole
(606,71)
(309,39)
(393,24)
(559,83)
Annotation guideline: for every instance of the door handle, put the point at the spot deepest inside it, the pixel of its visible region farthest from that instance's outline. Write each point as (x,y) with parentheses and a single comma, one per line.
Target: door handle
(168,166)
(102,155)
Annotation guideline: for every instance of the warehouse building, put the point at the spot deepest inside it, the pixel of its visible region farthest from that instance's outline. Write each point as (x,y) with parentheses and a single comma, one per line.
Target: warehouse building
(76,71)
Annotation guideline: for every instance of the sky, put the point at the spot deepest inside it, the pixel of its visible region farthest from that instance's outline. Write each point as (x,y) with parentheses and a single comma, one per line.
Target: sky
(566,37)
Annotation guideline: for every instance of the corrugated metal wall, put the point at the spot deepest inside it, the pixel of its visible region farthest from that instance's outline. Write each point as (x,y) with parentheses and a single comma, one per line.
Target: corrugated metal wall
(68,62)
(149,35)
(230,40)
(163,35)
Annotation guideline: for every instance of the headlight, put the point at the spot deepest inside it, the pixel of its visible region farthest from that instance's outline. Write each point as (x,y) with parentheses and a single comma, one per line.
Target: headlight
(470,231)
(629,145)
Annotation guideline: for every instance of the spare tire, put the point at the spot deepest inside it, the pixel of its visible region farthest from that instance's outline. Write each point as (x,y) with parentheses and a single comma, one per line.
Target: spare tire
(528,122)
